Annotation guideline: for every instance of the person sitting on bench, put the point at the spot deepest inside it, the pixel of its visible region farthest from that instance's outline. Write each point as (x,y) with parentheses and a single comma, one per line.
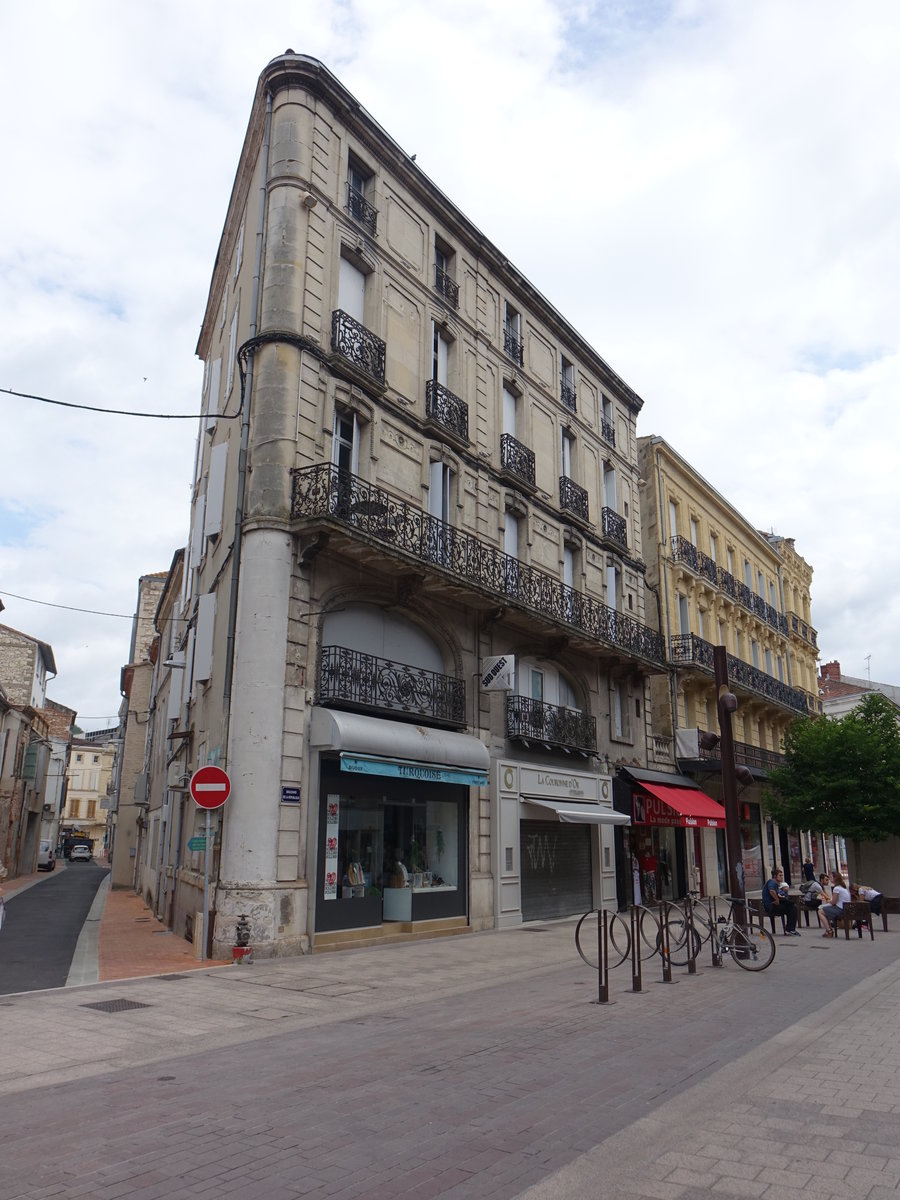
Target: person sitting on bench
(777,904)
(840,896)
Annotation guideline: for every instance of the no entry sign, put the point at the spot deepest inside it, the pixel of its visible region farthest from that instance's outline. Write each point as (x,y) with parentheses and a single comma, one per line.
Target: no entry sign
(210,787)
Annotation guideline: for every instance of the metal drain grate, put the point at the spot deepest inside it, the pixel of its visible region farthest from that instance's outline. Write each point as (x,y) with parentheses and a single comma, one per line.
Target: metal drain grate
(111,1006)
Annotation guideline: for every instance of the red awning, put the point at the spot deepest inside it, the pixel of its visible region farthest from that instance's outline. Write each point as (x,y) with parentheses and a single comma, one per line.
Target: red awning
(687,807)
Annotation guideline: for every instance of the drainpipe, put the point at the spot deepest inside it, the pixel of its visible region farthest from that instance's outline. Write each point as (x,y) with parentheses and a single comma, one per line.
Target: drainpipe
(246,393)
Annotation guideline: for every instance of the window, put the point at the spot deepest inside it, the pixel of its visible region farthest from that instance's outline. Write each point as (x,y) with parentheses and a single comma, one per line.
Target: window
(569,566)
(713,549)
(512,334)
(769,662)
(773,594)
(566,447)
(754,652)
(96,758)
(781,668)
(443,272)
(511,535)
(760,585)
(567,382)
(695,540)
(701,623)
(619,711)
(748,574)
(613,586)
(537,685)
(345,444)
(609,487)
(439,491)
(673,519)
(730,562)
(440,354)
(510,408)
(608,425)
(684,616)
(359,187)
(78,758)
(239,254)
(232,347)
(352,290)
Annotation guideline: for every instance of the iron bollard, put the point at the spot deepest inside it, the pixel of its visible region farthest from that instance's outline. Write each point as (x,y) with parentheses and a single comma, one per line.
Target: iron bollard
(603,956)
(692,945)
(636,971)
(664,942)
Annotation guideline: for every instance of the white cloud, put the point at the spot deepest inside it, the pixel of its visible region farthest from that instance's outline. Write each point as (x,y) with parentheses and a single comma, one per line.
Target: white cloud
(708,192)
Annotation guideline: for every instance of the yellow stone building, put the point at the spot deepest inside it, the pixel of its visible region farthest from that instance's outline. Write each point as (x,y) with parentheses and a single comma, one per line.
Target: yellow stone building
(89,774)
(722,582)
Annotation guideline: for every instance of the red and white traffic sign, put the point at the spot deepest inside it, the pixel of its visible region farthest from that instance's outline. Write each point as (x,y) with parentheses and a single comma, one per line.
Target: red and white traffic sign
(210,787)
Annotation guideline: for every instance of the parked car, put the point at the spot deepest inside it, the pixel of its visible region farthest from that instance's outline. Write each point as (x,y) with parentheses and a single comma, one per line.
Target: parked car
(80,853)
(46,858)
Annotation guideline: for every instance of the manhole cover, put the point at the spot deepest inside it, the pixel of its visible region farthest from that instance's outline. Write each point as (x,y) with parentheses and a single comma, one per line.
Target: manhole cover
(173,976)
(116,1005)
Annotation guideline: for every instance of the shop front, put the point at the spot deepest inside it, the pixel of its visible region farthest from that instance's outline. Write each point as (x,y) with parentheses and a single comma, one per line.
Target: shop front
(553,841)
(392,821)
(671,847)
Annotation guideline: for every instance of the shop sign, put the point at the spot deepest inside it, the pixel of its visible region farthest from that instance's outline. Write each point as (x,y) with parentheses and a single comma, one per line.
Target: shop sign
(420,772)
(332,821)
(498,673)
(650,810)
(560,785)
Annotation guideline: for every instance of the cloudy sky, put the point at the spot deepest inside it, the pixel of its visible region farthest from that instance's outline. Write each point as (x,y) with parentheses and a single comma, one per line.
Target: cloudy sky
(728,178)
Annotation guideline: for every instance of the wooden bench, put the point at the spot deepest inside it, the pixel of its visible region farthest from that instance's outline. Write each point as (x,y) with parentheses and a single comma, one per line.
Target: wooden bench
(858,913)
(757,911)
(889,904)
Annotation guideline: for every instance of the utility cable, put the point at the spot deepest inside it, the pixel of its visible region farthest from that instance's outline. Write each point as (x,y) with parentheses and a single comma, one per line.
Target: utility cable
(123,412)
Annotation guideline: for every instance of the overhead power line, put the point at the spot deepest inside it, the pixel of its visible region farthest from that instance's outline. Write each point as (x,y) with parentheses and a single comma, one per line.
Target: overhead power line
(121,412)
(69,607)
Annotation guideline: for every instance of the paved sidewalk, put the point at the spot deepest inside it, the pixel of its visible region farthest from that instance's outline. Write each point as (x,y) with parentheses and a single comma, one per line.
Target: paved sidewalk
(461,1068)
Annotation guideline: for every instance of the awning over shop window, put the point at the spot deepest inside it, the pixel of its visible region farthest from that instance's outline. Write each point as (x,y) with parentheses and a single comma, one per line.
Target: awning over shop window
(575,814)
(372,745)
(686,807)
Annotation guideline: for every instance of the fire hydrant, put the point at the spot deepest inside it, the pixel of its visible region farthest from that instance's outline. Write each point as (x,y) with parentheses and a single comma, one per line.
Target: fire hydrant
(242,951)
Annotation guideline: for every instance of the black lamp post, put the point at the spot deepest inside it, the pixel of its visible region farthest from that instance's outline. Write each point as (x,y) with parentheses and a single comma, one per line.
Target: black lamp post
(727,703)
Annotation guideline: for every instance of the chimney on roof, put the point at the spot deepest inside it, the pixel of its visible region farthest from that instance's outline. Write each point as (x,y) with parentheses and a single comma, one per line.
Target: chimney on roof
(832,671)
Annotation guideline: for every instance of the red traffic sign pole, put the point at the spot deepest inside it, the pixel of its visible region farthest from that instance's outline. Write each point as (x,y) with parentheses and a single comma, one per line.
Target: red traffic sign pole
(210,787)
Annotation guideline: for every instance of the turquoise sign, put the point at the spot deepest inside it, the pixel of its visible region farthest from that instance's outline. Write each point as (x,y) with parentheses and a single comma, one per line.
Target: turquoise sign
(398,768)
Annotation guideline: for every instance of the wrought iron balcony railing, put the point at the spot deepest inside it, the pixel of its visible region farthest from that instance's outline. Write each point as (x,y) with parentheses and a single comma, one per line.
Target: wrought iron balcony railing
(354,679)
(573,498)
(550,725)
(608,431)
(512,346)
(747,755)
(685,552)
(688,649)
(707,567)
(516,458)
(614,526)
(567,395)
(327,493)
(446,409)
(357,344)
(727,583)
(803,630)
(447,286)
(361,210)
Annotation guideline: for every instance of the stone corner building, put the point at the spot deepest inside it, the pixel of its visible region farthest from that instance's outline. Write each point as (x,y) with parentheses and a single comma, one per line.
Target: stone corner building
(412,468)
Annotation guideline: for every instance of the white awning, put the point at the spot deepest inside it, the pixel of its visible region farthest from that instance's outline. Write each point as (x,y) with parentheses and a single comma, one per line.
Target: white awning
(399,742)
(575,814)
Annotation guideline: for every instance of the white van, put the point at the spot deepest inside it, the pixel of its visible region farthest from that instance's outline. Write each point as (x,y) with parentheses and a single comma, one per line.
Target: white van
(46,858)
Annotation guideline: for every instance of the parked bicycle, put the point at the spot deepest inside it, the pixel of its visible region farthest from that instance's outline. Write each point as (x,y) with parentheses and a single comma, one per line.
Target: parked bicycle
(752,948)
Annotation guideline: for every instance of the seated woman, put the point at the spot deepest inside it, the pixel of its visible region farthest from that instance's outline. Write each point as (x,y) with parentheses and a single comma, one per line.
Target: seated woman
(872,897)
(817,894)
(840,896)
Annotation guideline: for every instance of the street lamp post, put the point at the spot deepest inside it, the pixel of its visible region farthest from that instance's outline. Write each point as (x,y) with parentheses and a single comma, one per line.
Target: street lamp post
(727,703)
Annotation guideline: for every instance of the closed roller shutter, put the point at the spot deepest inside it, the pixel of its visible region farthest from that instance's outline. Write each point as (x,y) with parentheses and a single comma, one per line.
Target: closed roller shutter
(556,869)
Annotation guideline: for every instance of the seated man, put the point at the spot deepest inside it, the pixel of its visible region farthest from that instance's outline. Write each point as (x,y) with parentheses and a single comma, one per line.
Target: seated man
(776,903)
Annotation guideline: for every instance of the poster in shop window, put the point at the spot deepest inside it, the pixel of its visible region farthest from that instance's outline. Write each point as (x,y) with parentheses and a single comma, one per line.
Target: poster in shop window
(332,820)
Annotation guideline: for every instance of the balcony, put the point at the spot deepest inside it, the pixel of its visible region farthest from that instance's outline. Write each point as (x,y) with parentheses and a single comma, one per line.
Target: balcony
(707,568)
(517,459)
(406,532)
(689,650)
(745,754)
(357,345)
(803,630)
(685,552)
(550,725)
(567,395)
(446,410)
(361,210)
(447,286)
(608,432)
(348,678)
(727,583)
(614,527)
(572,498)
(512,345)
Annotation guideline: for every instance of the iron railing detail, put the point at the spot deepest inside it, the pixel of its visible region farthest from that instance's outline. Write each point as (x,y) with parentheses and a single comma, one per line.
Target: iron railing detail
(567,395)
(365,681)
(442,406)
(727,583)
(512,346)
(357,344)
(747,755)
(324,491)
(608,431)
(685,551)
(707,567)
(573,497)
(550,725)
(803,629)
(689,649)
(361,210)
(614,526)
(516,458)
(446,285)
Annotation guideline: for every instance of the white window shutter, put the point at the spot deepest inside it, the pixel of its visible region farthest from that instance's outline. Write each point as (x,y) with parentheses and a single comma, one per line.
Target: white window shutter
(203,646)
(188,672)
(232,347)
(215,490)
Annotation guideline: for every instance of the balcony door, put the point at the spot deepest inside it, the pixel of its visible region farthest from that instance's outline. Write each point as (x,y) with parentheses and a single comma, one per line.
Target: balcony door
(352,291)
